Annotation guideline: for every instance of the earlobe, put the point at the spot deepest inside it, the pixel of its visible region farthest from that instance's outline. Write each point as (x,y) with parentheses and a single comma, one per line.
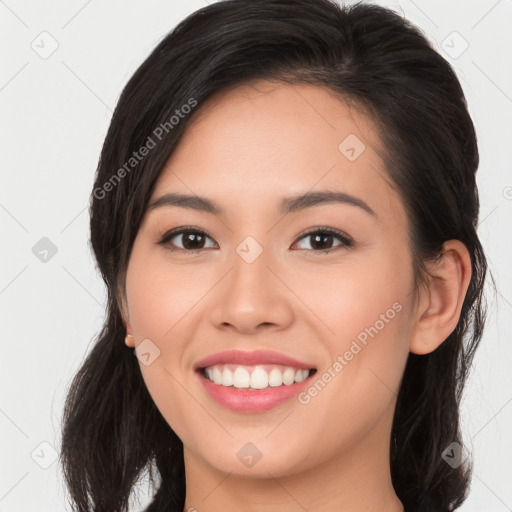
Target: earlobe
(129,340)
(442,298)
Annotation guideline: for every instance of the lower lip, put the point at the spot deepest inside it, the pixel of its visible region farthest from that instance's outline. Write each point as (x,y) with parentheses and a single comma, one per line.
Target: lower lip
(246,400)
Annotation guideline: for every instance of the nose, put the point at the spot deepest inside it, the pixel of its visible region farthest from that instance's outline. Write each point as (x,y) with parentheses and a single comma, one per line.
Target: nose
(252,297)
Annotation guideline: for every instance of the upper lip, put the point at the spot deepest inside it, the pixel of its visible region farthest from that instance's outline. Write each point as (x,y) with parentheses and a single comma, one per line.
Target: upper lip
(250,358)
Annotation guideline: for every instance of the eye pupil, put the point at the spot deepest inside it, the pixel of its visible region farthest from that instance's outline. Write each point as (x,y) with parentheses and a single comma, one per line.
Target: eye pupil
(321,237)
(190,241)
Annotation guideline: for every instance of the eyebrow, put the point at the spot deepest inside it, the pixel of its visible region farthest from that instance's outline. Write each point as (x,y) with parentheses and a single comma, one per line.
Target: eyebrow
(287,205)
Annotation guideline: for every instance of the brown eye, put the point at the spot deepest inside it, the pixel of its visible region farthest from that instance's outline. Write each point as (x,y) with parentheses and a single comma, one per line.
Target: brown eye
(322,239)
(189,239)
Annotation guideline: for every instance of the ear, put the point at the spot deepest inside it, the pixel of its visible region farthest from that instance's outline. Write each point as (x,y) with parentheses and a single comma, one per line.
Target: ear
(441,299)
(123,308)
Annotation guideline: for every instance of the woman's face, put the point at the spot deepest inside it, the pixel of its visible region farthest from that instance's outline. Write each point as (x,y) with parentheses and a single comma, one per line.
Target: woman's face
(262,274)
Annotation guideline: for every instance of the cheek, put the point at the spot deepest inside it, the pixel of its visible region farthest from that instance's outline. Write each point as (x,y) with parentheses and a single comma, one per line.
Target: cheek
(366,309)
(160,295)
(349,297)
(159,301)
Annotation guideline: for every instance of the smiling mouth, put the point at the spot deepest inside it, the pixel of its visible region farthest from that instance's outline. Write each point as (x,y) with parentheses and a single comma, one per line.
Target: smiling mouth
(255,377)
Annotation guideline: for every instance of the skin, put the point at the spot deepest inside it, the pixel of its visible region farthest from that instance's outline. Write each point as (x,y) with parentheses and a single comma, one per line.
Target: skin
(246,150)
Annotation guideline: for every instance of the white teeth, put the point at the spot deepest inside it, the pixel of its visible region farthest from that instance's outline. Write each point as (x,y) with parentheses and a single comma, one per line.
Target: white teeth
(242,377)
(275,377)
(259,378)
(300,375)
(217,375)
(227,377)
(289,376)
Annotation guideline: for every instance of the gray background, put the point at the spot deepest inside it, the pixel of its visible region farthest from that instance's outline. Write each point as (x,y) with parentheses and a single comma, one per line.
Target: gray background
(56,109)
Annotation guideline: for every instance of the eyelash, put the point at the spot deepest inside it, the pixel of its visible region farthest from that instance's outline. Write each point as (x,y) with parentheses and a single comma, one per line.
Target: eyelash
(343,237)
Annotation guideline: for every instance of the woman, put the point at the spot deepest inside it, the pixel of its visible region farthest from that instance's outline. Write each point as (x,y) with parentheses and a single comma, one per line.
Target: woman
(284,214)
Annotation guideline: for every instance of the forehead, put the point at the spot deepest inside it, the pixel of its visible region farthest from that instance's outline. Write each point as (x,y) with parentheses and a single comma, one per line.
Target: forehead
(263,141)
